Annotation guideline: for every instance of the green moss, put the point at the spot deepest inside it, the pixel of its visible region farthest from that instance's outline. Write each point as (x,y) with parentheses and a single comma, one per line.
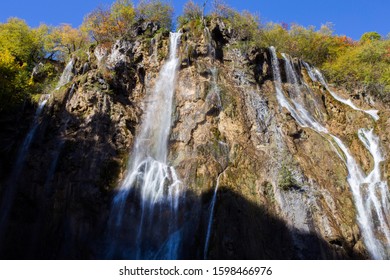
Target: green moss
(268,191)
(83,79)
(286,180)
(229,103)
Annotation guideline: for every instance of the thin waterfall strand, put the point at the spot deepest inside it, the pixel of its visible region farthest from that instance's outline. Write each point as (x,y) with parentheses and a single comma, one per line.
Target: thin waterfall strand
(211,217)
(317,76)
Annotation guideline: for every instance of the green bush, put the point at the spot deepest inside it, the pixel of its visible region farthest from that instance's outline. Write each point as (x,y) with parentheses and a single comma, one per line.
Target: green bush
(155,11)
(287,180)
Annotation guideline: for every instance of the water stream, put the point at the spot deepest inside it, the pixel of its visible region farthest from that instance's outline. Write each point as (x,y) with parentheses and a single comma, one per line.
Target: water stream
(370,192)
(211,217)
(149,175)
(11,185)
(317,76)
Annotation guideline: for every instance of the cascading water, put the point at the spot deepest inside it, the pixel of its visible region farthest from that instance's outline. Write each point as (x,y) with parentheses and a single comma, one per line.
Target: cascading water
(11,185)
(67,75)
(30,135)
(149,176)
(317,76)
(300,114)
(370,192)
(214,95)
(10,190)
(211,217)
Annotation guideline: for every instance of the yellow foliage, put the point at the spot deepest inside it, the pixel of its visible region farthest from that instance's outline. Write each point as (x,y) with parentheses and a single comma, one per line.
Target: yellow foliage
(13,80)
(22,42)
(109,24)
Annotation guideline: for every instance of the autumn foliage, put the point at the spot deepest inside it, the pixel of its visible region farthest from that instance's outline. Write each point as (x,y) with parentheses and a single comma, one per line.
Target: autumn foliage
(107,24)
(344,61)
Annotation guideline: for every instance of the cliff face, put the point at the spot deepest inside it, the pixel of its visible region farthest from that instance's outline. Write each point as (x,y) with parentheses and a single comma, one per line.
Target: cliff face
(282,185)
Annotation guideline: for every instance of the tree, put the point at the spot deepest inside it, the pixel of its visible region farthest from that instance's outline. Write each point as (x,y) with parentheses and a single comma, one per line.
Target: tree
(63,40)
(123,15)
(14,80)
(108,24)
(155,11)
(192,11)
(97,24)
(21,41)
(370,36)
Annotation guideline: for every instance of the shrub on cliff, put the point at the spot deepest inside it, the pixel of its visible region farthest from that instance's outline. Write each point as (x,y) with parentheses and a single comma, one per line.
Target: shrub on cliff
(244,25)
(366,64)
(287,180)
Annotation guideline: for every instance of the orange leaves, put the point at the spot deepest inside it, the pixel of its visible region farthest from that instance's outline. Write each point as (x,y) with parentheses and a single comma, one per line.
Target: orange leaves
(108,24)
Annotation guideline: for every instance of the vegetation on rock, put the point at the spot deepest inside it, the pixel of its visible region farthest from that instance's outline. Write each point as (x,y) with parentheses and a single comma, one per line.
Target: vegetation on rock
(363,64)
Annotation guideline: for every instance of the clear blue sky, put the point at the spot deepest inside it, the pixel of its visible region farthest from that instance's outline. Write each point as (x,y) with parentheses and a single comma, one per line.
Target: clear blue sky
(350,17)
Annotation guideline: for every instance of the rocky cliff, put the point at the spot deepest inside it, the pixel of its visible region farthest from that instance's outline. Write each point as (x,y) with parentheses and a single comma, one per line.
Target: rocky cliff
(282,189)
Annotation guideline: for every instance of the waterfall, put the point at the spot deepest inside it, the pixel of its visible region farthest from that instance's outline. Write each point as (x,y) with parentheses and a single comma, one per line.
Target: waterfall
(211,217)
(149,175)
(31,133)
(214,95)
(67,75)
(11,185)
(317,76)
(370,192)
(10,190)
(208,38)
(297,110)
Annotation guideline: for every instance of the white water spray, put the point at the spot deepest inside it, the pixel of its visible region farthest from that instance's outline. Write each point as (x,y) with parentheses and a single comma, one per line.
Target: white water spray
(67,75)
(11,185)
(149,173)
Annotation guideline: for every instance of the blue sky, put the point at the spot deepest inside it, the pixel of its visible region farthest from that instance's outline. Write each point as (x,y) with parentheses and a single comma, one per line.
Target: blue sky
(350,17)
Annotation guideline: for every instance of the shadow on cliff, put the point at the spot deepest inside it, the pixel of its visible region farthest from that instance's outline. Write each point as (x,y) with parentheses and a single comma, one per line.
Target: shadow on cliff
(61,208)
(243,230)
(60,204)
(240,230)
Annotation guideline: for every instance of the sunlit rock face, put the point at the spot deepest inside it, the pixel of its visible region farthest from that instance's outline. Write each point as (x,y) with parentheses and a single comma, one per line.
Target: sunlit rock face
(262,159)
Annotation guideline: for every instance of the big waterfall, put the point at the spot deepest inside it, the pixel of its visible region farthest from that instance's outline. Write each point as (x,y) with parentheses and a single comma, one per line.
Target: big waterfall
(150,177)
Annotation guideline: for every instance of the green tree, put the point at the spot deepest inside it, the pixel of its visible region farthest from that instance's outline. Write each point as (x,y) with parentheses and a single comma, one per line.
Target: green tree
(155,11)
(370,36)
(14,81)
(21,41)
